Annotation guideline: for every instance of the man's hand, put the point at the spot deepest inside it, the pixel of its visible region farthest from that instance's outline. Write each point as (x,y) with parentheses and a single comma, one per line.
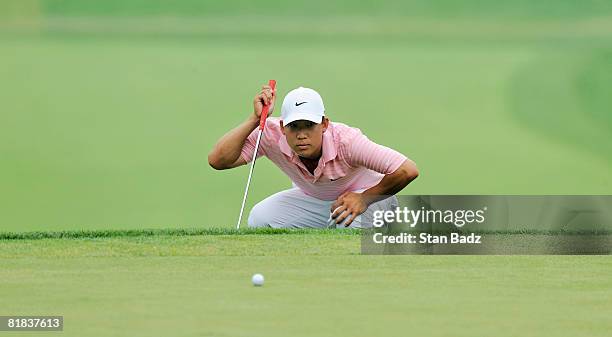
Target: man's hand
(348,206)
(265,97)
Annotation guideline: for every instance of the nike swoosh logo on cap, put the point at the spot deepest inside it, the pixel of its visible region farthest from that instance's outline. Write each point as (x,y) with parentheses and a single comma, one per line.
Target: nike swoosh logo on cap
(298,104)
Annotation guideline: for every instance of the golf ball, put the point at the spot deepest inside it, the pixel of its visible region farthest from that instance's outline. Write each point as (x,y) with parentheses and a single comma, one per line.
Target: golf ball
(258,280)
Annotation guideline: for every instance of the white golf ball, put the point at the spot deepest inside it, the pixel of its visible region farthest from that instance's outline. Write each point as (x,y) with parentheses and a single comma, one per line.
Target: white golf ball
(258,280)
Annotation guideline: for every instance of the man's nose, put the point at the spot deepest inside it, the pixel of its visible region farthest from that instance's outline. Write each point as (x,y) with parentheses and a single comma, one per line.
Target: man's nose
(301,135)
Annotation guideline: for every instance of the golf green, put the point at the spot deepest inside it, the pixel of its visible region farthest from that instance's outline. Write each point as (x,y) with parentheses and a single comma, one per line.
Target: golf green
(315,284)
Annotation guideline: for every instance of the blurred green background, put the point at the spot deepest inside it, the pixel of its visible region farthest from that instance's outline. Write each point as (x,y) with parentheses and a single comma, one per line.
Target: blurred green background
(108,108)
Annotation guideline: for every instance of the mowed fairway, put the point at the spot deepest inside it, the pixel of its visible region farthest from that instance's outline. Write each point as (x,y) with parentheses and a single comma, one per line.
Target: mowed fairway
(315,285)
(109,108)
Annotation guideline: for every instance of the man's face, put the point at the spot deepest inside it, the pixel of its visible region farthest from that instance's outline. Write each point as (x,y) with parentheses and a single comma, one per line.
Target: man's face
(305,137)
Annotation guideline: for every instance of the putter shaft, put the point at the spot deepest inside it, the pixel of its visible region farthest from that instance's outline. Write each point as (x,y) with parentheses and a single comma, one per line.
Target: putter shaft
(262,124)
(246,190)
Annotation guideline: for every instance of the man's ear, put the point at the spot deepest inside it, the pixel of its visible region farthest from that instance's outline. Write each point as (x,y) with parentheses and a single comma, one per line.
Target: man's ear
(282,127)
(325,123)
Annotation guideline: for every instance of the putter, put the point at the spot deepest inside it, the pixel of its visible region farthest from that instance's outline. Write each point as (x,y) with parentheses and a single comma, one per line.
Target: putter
(262,123)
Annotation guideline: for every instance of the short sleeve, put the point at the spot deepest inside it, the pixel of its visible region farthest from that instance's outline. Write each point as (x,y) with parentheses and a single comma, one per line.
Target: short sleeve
(249,147)
(362,152)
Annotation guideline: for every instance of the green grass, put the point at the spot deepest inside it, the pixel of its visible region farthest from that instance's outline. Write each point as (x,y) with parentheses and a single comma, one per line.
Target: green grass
(122,141)
(109,108)
(215,242)
(562,98)
(167,232)
(315,284)
(214,231)
(437,8)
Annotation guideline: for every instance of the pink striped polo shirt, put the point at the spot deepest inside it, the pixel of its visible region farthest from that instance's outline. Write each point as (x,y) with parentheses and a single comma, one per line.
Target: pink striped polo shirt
(349,160)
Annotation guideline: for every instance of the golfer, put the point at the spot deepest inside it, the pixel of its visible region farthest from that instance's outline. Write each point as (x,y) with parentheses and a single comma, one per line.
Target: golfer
(338,174)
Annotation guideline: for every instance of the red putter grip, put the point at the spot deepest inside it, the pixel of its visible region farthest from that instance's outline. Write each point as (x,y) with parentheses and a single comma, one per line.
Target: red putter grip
(266,108)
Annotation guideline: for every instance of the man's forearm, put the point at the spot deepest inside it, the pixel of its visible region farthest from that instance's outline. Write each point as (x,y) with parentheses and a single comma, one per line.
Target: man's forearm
(392,183)
(228,148)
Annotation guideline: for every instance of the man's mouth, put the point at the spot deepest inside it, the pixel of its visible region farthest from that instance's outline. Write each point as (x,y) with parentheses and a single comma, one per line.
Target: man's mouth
(302,146)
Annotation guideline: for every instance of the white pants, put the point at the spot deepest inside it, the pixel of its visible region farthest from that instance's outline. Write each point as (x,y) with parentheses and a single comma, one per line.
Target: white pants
(294,209)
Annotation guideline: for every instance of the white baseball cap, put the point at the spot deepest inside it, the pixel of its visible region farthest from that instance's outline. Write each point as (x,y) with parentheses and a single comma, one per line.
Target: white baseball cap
(302,103)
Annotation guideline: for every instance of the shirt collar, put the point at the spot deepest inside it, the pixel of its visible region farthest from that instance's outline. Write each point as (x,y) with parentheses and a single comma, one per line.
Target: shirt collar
(329,147)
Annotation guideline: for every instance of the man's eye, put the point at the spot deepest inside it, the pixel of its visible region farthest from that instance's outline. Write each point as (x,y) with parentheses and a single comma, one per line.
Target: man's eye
(302,126)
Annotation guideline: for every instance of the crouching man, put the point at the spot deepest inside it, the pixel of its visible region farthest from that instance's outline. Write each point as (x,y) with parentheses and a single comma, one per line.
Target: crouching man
(339,176)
